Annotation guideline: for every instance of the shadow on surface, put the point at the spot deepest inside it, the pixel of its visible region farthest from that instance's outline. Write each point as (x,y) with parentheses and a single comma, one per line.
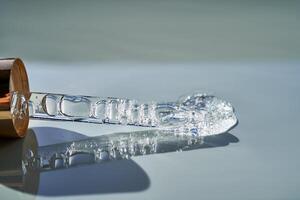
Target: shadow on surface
(110,177)
(21,173)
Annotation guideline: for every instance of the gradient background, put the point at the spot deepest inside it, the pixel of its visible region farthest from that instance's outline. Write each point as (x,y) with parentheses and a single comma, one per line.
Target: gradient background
(172,31)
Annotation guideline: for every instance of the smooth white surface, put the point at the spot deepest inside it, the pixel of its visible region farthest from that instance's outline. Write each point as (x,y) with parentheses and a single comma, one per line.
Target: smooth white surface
(264,163)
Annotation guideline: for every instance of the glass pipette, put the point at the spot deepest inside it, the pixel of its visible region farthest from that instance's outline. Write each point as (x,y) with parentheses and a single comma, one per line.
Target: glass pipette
(197,114)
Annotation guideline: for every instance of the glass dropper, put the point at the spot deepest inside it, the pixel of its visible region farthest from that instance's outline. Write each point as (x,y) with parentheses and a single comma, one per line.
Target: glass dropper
(196,114)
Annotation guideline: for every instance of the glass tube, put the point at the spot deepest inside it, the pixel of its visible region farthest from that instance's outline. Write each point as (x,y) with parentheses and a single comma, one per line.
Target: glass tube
(197,114)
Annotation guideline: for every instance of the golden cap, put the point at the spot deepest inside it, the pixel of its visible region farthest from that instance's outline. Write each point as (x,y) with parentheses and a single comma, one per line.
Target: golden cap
(13,77)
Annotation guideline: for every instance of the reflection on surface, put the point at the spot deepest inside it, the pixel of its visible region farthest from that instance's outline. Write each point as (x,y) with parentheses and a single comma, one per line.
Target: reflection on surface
(12,154)
(102,163)
(117,146)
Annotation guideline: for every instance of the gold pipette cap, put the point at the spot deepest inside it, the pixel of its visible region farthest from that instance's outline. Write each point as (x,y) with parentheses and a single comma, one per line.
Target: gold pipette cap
(13,77)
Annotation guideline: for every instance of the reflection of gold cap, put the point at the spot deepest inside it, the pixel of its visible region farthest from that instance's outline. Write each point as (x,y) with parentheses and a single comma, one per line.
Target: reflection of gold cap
(12,172)
(13,77)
